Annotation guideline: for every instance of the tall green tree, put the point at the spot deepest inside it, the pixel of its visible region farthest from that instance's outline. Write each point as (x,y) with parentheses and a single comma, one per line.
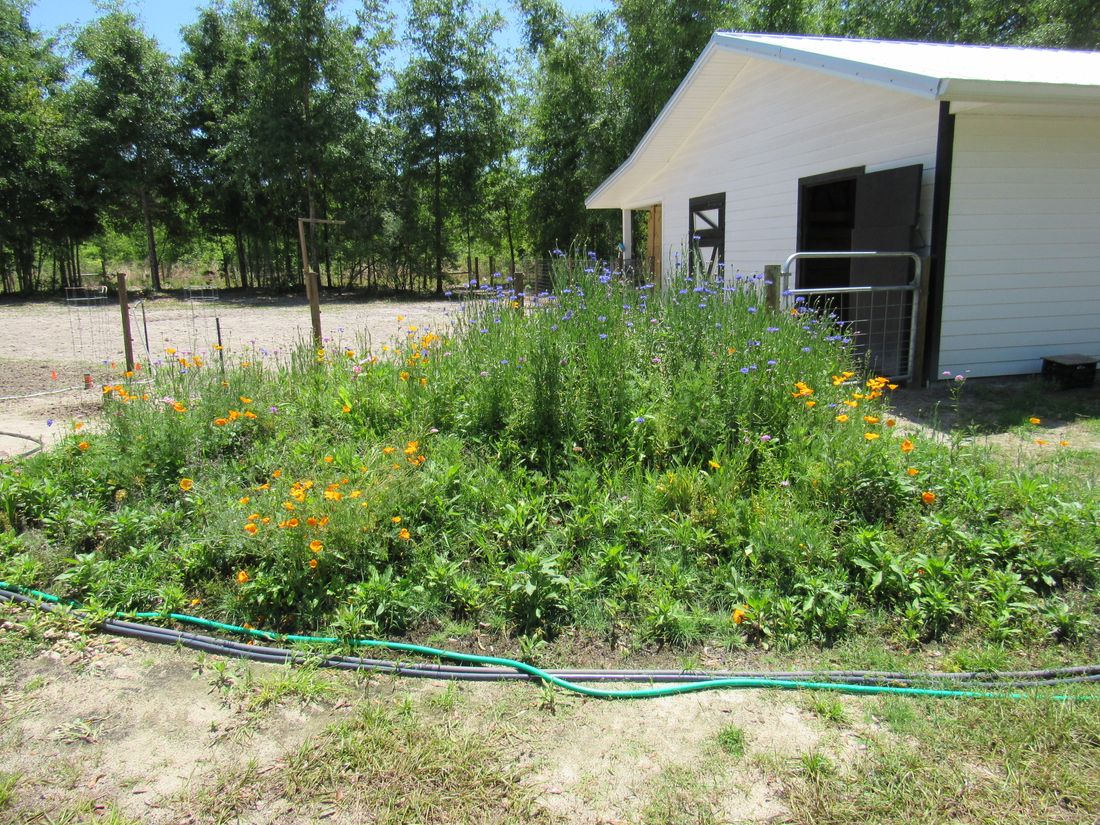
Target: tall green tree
(126,102)
(448,105)
(217,81)
(33,175)
(575,128)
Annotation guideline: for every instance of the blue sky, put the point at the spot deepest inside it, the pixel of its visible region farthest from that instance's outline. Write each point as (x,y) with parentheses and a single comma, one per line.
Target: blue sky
(163,19)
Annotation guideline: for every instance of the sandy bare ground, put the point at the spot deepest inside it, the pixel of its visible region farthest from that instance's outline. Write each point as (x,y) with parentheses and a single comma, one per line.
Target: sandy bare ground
(107,725)
(46,346)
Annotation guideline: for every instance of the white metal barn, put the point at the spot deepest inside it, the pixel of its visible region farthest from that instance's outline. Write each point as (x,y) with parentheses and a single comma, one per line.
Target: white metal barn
(985,161)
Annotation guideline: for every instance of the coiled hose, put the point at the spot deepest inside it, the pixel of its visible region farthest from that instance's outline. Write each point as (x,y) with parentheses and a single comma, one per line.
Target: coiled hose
(493,668)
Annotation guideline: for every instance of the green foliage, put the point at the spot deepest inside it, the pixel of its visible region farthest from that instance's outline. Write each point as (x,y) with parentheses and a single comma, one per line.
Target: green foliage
(538,471)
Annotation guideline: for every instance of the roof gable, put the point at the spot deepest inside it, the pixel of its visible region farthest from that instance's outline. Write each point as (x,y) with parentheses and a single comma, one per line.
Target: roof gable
(932,71)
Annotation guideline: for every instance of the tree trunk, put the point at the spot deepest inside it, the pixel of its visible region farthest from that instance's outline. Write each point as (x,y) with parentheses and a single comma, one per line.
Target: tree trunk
(511,245)
(437,207)
(150,241)
(242,262)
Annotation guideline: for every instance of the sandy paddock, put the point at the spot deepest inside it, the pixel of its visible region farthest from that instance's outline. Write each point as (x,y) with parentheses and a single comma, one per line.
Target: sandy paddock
(46,347)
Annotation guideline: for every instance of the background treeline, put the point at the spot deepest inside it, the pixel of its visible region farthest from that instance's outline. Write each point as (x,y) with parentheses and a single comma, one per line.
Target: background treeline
(435,144)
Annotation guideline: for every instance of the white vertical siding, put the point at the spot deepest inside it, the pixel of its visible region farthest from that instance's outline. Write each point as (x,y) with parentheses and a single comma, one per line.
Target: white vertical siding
(1022,274)
(772,125)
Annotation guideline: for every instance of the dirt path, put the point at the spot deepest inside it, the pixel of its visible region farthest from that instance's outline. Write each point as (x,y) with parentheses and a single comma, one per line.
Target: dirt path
(156,735)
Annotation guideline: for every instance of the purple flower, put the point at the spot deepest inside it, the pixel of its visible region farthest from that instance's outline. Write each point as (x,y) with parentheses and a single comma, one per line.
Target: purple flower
(752,310)
(806,349)
(483,374)
(640,419)
(744,370)
(49,422)
(603,336)
(773,329)
(273,410)
(765,438)
(655,360)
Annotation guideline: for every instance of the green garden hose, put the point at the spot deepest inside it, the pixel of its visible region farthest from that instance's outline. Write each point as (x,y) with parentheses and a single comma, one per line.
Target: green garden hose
(550,678)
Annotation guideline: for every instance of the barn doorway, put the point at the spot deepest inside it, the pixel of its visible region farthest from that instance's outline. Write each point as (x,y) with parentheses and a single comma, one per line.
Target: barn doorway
(853,210)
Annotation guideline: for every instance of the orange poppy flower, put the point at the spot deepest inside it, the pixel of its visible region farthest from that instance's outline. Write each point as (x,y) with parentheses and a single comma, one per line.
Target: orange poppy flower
(928,497)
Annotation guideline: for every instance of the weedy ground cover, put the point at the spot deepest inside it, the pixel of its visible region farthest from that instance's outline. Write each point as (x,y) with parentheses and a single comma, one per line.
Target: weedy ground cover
(660,466)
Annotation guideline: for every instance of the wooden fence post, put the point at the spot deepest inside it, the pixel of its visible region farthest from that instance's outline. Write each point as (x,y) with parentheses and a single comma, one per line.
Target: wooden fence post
(127,335)
(772,278)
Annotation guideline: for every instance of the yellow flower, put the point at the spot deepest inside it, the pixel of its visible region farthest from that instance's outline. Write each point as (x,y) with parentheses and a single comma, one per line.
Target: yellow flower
(907,446)
(870,436)
(242,576)
(396,519)
(389,450)
(912,471)
(928,497)
(412,447)
(329,459)
(245,399)
(220,422)
(1063,443)
(186,484)
(313,564)
(842,418)
(852,404)
(871,419)
(251,528)
(739,615)
(714,465)
(1041,441)
(83,445)
(404,535)
(178,407)
(77,425)
(292,522)
(346,408)
(423,382)
(171,351)
(1034,420)
(811,404)
(277,474)
(316,546)
(249,414)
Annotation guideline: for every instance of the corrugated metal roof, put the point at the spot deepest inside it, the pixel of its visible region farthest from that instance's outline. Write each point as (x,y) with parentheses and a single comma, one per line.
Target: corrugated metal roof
(940,61)
(934,71)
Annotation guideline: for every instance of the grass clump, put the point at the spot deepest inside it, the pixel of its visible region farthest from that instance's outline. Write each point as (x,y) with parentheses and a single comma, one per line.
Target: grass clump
(668,465)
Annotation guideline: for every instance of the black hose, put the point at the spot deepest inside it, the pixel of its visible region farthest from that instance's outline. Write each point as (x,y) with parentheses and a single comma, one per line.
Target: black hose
(429,670)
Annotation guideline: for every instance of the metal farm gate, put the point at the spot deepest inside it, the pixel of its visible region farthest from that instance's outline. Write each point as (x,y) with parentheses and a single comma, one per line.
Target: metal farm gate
(882,321)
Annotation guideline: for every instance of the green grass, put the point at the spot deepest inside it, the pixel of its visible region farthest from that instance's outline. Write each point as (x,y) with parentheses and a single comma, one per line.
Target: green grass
(671,468)
(731,739)
(8,781)
(975,762)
